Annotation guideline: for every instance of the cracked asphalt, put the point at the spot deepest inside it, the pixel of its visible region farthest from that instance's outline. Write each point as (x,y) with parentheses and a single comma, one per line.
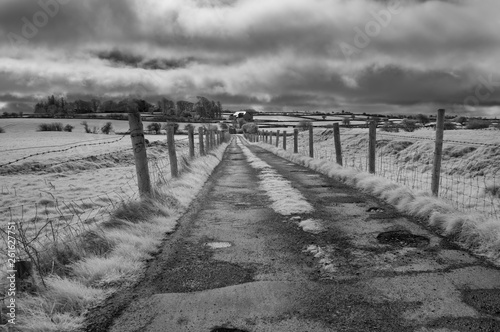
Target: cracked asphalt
(234,264)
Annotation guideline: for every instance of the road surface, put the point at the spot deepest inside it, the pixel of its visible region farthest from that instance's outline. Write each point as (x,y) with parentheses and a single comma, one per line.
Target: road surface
(240,261)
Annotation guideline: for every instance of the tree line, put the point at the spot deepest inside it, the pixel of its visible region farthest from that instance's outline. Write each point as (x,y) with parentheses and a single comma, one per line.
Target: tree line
(203,108)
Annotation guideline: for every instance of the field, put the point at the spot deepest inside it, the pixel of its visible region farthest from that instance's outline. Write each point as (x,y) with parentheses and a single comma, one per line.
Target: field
(73,198)
(470,166)
(59,181)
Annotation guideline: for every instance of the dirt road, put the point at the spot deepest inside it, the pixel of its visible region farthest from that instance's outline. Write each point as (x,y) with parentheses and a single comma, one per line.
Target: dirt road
(273,246)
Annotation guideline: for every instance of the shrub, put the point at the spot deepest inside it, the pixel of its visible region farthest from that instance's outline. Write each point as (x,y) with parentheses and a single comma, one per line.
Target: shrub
(303,125)
(477,124)
(423,119)
(68,128)
(176,126)
(86,127)
(2,130)
(106,129)
(389,127)
(449,125)
(55,126)
(155,126)
(409,125)
(250,128)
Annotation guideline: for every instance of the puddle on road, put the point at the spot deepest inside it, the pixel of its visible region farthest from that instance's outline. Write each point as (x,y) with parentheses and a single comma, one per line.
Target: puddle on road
(226,329)
(218,245)
(403,238)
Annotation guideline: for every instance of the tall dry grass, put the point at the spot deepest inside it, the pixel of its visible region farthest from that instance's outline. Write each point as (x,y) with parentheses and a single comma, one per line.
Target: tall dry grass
(82,272)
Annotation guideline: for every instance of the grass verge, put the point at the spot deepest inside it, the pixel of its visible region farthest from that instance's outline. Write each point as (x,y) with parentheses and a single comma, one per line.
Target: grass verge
(115,257)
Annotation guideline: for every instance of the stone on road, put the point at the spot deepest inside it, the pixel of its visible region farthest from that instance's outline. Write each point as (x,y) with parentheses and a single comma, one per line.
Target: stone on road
(329,258)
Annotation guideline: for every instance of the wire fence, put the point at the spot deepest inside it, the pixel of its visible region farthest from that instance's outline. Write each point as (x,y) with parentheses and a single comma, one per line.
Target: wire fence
(469,174)
(50,222)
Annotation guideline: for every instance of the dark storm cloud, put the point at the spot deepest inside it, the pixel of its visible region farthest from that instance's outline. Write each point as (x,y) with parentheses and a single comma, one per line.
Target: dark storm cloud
(269,54)
(123,58)
(68,22)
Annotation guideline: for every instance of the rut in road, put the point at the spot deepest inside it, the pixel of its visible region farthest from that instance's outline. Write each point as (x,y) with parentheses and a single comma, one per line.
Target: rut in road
(272,246)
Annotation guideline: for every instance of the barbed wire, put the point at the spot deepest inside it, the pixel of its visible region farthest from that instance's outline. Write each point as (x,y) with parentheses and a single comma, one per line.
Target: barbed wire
(58,151)
(57,146)
(468,183)
(433,139)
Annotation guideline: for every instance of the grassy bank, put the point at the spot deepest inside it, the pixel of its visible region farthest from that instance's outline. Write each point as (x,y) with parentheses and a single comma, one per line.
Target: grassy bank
(112,254)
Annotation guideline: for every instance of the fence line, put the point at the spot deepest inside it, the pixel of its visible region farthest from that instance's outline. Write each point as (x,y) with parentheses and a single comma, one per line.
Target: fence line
(43,226)
(466,179)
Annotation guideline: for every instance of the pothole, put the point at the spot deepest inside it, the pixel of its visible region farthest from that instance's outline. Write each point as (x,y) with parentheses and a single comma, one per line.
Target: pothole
(218,245)
(484,300)
(375,209)
(227,329)
(403,238)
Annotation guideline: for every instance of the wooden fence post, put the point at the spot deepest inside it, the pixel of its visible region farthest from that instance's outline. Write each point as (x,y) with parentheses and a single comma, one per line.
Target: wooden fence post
(338,146)
(284,139)
(271,138)
(140,155)
(200,138)
(311,142)
(295,141)
(191,142)
(372,146)
(277,138)
(208,142)
(438,152)
(171,151)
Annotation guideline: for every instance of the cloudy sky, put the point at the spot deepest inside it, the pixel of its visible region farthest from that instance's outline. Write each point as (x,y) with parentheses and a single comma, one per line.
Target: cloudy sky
(321,55)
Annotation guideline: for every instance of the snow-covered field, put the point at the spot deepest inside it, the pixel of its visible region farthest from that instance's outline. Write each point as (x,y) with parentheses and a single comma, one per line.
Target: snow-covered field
(470,171)
(55,180)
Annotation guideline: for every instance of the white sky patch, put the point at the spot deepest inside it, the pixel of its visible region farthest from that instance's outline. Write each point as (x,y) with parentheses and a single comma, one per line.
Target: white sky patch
(286,199)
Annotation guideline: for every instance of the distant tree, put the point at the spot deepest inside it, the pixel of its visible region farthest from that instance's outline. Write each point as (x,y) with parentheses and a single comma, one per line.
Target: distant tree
(95,104)
(68,128)
(461,119)
(106,129)
(423,119)
(389,127)
(109,106)
(477,124)
(86,127)
(448,125)
(409,125)
(240,122)
(324,116)
(249,114)
(250,128)
(188,127)
(155,126)
(176,126)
